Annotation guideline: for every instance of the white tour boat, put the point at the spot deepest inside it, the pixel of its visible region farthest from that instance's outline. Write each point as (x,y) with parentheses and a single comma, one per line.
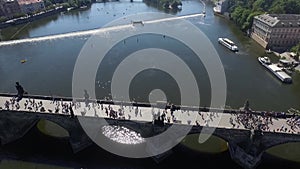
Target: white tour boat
(229,44)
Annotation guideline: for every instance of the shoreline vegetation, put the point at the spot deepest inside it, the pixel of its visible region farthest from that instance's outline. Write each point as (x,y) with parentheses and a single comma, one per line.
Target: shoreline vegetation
(242,12)
(56,6)
(51,7)
(168,6)
(51,4)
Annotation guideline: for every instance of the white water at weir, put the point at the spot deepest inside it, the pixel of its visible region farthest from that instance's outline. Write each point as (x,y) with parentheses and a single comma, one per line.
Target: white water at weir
(93,31)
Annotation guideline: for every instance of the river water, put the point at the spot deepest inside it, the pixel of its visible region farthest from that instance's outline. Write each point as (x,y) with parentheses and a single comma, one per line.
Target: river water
(50,64)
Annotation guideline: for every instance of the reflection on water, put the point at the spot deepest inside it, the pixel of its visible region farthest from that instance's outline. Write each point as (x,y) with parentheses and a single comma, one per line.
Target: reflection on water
(213,145)
(52,61)
(122,135)
(52,129)
(288,151)
(16,164)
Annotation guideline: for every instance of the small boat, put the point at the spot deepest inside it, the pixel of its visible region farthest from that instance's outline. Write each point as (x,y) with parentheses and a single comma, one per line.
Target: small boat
(83,7)
(68,9)
(229,44)
(264,60)
(268,51)
(273,68)
(23,61)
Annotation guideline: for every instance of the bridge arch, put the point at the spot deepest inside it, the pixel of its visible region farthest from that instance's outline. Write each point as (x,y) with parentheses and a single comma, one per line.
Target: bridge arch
(214,145)
(288,150)
(282,143)
(52,128)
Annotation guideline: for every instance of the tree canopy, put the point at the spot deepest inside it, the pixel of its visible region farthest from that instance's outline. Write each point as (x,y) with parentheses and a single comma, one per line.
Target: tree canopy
(243,11)
(296,49)
(67,3)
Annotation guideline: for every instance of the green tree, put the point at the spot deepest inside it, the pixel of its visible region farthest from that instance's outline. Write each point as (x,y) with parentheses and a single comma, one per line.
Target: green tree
(243,20)
(47,3)
(262,5)
(296,49)
(277,9)
(242,12)
(258,5)
(252,15)
(2,18)
(73,3)
(235,15)
(292,6)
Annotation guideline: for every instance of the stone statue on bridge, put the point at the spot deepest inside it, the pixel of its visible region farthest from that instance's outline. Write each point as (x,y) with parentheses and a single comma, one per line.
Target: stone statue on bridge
(247,106)
(86,98)
(20,90)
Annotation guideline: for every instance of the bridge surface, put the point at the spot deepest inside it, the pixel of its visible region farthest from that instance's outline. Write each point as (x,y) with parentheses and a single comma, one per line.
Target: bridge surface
(248,133)
(129,111)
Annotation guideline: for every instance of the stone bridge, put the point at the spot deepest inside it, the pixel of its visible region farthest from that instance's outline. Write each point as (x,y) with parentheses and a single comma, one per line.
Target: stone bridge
(244,150)
(246,146)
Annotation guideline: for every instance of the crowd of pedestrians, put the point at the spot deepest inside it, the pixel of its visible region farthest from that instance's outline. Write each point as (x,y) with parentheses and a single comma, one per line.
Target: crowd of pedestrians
(245,119)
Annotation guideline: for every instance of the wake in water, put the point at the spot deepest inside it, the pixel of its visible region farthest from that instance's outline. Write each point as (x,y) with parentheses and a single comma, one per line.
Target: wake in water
(93,31)
(203,23)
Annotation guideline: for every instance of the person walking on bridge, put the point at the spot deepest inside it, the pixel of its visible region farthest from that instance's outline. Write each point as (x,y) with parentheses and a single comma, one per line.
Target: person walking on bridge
(20,90)
(86,98)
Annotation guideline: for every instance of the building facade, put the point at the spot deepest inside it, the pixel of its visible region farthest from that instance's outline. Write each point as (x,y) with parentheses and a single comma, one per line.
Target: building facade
(9,8)
(31,6)
(221,7)
(277,32)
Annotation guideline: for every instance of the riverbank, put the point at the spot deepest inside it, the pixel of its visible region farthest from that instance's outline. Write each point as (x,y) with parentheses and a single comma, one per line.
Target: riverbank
(38,16)
(22,20)
(292,64)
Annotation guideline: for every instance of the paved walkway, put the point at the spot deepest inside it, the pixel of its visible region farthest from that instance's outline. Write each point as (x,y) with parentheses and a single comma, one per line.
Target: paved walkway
(147,114)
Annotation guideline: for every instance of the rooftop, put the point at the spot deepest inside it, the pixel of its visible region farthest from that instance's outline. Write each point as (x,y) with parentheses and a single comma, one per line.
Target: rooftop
(26,2)
(280,20)
(7,1)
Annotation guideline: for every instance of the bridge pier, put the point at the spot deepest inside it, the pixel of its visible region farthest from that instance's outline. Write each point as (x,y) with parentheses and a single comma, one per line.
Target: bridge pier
(246,147)
(16,124)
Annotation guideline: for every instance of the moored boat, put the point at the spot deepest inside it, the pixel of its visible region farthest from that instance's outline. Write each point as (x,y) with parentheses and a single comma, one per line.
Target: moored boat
(277,71)
(264,60)
(268,51)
